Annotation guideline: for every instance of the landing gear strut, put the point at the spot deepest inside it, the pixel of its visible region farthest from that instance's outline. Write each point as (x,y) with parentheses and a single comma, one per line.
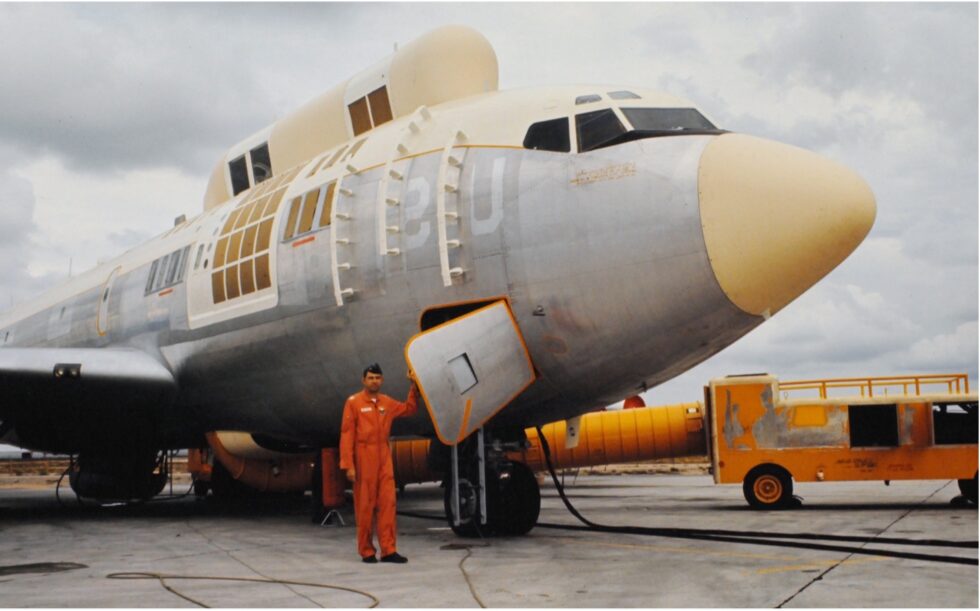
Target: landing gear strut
(486,494)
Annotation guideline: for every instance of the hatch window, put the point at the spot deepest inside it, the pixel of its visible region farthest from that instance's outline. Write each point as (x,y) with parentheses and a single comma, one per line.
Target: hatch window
(597,129)
(370,111)
(548,136)
(239,175)
(380,106)
(261,163)
(623,95)
(587,99)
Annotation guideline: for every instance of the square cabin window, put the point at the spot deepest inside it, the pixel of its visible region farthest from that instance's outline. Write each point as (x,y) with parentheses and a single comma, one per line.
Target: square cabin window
(239,175)
(261,163)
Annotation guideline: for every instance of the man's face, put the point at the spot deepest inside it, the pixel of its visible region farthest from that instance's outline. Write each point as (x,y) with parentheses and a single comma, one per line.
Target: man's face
(372,381)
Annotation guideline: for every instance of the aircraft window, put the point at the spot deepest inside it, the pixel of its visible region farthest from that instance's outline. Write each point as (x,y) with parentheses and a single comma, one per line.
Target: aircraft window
(261,163)
(218,286)
(291,219)
(265,234)
(263,279)
(597,129)
(309,210)
(667,120)
(335,157)
(248,242)
(183,263)
(380,106)
(239,175)
(167,271)
(220,250)
(246,277)
(623,95)
(234,247)
(150,278)
(327,204)
(356,147)
(548,136)
(257,209)
(246,237)
(360,116)
(231,282)
(585,99)
(159,281)
(200,253)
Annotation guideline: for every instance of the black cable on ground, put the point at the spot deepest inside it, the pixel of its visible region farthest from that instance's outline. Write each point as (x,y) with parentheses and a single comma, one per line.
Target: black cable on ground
(162,577)
(752,538)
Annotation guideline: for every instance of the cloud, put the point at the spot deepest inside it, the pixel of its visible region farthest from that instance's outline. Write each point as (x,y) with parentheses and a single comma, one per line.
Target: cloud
(112,117)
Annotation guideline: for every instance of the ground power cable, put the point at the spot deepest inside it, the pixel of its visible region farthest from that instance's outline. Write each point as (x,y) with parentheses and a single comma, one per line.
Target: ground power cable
(163,577)
(752,538)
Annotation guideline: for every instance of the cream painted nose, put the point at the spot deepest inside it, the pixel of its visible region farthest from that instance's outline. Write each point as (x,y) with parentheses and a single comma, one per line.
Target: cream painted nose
(777,218)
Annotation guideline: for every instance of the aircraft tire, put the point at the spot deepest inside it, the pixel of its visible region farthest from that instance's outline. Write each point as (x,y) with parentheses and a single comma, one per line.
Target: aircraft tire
(968,488)
(768,486)
(469,526)
(515,510)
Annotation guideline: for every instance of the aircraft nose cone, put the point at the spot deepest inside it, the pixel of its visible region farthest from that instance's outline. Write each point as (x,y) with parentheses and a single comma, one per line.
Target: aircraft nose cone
(777,218)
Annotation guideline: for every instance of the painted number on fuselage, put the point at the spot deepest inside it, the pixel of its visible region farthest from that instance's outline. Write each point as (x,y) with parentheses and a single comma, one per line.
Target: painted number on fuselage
(485,216)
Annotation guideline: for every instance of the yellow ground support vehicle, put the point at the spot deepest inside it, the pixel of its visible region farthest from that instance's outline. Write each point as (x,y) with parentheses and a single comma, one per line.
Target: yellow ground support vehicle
(766,434)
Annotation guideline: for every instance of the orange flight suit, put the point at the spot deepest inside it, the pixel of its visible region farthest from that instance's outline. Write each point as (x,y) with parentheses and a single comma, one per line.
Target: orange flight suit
(364,446)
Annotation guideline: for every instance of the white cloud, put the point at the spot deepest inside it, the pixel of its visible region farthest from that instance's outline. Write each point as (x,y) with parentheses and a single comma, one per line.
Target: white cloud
(112,116)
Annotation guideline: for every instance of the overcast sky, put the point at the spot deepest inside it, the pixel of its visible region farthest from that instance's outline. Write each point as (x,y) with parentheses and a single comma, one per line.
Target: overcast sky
(112,116)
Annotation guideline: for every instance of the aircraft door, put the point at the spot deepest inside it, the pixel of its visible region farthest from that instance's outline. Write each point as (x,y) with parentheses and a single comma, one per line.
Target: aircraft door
(102,320)
(469,368)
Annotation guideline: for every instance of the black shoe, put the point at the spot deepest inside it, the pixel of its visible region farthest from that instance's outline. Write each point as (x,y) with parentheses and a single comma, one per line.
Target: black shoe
(369,559)
(394,557)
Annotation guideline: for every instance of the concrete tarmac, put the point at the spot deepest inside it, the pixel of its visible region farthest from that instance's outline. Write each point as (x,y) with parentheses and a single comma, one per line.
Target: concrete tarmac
(61,556)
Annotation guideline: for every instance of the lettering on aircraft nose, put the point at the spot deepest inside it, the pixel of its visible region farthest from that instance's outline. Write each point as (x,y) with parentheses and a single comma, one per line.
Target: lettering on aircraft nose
(613,172)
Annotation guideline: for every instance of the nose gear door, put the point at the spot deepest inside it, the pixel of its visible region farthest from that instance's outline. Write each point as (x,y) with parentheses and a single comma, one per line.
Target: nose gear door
(469,368)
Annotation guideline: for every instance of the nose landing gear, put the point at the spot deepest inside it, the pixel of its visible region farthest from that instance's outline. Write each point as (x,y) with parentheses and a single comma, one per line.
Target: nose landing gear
(487,494)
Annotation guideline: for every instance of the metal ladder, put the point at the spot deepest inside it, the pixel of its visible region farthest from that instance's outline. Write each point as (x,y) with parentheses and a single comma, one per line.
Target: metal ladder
(341,222)
(447,204)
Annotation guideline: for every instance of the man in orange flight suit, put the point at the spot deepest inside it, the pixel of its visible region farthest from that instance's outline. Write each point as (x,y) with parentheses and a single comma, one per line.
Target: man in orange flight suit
(366,457)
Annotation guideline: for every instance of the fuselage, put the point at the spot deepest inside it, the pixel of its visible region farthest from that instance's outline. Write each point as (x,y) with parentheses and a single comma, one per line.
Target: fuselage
(618,263)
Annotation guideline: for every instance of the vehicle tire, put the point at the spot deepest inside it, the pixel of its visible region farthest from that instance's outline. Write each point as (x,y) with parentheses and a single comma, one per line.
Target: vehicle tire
(968,487)
(515,509)
(768,487)
(469,508)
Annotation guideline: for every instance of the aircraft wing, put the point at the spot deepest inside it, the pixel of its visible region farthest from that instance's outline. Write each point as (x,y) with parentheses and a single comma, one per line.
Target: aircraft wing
(35,381)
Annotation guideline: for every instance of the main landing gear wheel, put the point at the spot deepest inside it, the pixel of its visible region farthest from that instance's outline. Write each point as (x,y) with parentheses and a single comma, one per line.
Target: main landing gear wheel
(469,510)
(513,503)
(768,487)
(968,488)
(515,507)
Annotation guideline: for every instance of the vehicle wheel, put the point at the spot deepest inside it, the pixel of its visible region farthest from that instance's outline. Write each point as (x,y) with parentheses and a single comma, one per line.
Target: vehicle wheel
(469,509)
(968,487)
(768,487)
(517,505)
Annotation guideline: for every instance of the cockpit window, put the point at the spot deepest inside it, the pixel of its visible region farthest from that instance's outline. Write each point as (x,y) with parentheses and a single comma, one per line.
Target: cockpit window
(585,99)
(667,119)
(623,95)
(548,136)
(597,129)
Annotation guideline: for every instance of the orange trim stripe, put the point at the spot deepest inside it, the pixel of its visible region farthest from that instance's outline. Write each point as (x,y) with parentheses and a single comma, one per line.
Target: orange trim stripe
(305,240)
(165,292)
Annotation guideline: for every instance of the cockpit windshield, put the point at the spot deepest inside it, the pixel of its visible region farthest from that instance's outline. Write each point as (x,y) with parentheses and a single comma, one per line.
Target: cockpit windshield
(601,128)
(667,119)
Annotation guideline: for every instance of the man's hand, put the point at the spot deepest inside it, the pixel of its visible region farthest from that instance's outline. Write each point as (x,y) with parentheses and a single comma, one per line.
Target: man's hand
(352,474)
